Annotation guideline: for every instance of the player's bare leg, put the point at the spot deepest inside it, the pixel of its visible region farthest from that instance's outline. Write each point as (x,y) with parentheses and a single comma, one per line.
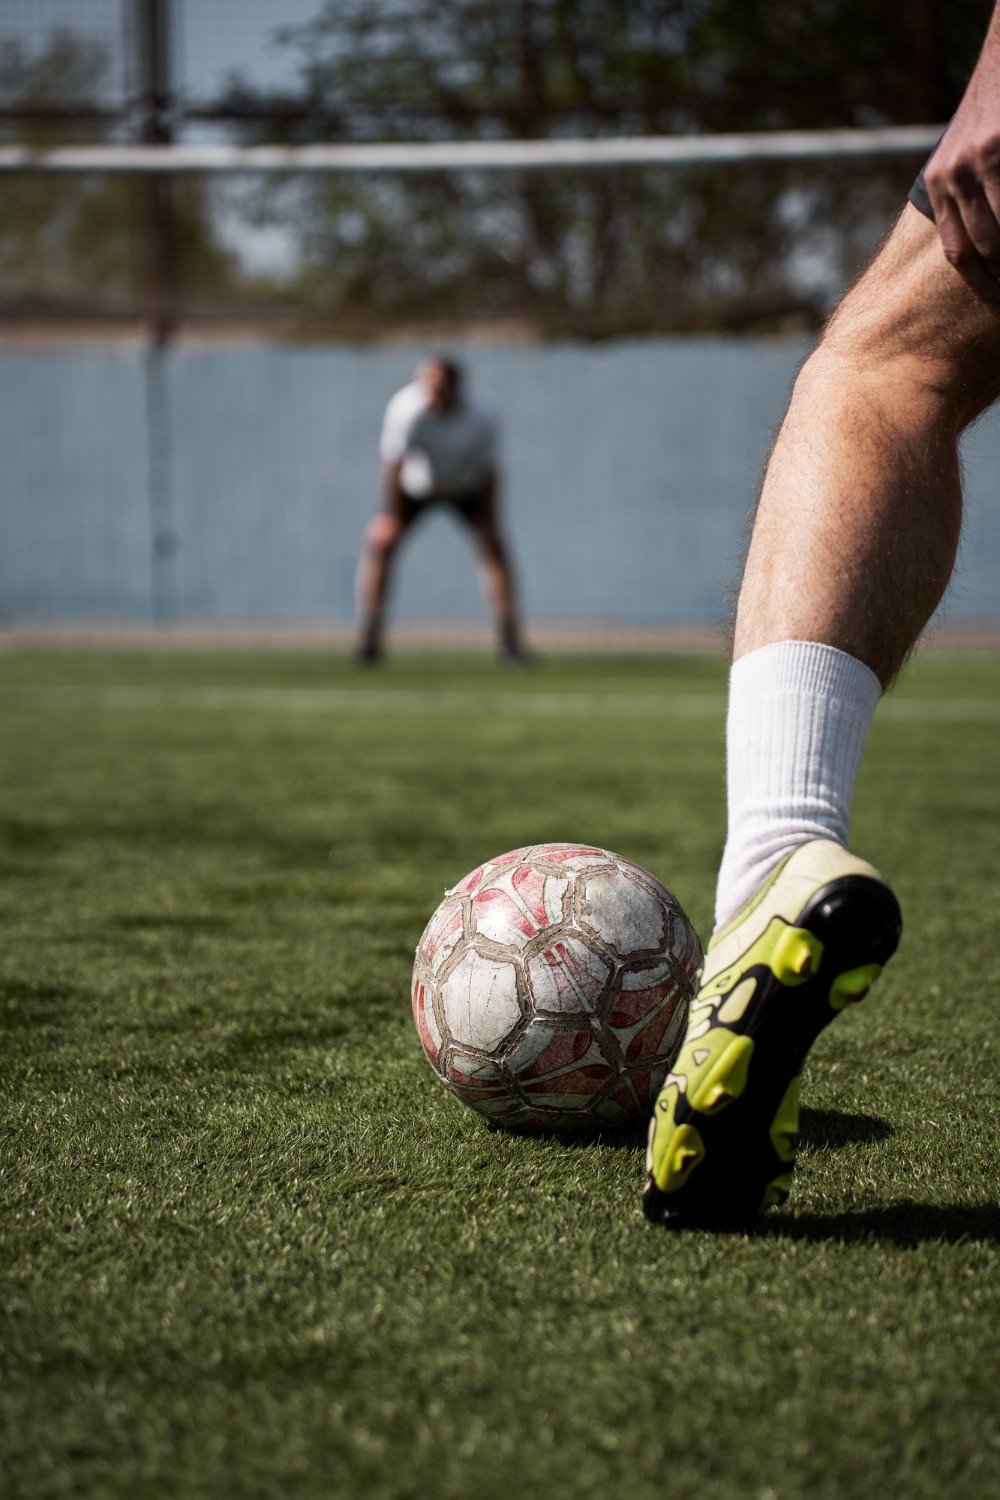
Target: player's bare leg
(374,575)
(858,522)
(853,544)
(498,585)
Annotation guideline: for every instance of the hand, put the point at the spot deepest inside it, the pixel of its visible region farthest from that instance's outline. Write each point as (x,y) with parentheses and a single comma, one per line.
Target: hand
(963,181)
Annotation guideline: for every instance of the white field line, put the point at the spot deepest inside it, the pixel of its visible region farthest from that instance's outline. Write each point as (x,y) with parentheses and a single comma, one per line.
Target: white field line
(405,701)
(367,700)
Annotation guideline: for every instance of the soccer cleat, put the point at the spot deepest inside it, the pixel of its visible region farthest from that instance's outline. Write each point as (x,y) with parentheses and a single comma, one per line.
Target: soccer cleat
(725,1127)
(368,653)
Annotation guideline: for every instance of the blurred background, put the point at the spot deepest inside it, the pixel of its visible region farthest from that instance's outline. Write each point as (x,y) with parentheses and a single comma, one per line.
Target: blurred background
(194,362)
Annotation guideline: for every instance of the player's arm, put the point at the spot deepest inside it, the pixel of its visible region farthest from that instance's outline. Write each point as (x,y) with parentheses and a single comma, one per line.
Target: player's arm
(963,176)
(394,444)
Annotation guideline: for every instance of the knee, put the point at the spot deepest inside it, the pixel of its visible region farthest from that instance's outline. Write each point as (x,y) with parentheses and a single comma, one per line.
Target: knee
(383,534)
(911,329)
(896,382)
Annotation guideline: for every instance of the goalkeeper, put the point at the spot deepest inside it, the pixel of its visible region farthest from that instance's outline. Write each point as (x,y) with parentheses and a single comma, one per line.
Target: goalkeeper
(438,448)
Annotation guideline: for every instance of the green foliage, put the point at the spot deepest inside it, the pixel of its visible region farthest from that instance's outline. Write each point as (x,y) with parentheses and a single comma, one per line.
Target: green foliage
(373,69)
(250,1247)
(86,244)
(70,69)
(70,245)
(558,253)
(602,253)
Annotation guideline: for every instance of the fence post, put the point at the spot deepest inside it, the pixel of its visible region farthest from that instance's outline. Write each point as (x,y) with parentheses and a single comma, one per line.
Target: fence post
(159,295)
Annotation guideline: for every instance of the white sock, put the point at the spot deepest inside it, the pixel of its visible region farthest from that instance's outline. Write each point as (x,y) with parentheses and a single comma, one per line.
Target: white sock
(799,714)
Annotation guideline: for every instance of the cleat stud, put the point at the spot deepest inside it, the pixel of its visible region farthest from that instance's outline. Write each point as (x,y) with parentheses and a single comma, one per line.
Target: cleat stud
(796,956)
(681,1154)
(849,988)
(725,1077)
(777,1191)
(784,1130)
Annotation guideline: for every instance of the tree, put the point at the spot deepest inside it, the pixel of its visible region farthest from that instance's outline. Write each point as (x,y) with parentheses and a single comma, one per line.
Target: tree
(603,251)
(587,252)
(79,245)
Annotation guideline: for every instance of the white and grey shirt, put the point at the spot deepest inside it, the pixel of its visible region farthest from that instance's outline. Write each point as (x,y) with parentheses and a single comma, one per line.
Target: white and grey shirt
(444,453)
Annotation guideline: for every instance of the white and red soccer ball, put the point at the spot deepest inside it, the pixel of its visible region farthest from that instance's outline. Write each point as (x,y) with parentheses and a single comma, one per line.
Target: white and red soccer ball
(551,987)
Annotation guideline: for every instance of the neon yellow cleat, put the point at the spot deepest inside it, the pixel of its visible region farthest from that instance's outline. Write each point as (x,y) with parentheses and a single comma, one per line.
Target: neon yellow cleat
(724,1132)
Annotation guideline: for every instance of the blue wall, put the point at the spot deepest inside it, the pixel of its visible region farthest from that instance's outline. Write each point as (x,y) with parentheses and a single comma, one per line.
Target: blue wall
(227,484)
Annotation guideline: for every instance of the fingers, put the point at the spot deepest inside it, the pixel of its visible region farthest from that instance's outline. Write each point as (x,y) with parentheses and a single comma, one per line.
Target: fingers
(971,244)
(965,196)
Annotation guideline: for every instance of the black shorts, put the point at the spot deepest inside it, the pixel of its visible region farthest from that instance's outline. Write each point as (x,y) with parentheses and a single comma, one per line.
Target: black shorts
(919,196)
(470,507)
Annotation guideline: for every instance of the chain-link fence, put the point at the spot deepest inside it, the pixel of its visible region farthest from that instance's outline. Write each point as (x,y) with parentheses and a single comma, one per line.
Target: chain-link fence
(595,252)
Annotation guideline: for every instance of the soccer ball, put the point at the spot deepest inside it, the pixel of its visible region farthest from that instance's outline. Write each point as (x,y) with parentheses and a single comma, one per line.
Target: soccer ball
(551,986)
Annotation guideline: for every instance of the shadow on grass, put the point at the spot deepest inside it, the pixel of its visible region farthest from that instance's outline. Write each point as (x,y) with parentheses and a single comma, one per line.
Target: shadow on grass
(833,1128)
(829,1129)
(30,1002)
(905,1225)
(630,1137)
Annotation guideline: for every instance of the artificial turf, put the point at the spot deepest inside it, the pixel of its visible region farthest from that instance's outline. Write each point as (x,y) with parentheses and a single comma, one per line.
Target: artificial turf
(250,1246)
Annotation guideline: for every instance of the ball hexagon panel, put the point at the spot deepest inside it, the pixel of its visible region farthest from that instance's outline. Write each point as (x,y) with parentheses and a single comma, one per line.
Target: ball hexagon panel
(566,975)
(629,917)
(479,1003)
(443,933)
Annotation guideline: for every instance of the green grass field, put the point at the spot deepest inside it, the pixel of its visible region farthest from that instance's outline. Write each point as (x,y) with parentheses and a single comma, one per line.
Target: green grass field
(250,1247)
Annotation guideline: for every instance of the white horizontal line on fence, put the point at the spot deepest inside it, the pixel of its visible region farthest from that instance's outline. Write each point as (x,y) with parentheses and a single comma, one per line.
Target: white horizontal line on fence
(431,156)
